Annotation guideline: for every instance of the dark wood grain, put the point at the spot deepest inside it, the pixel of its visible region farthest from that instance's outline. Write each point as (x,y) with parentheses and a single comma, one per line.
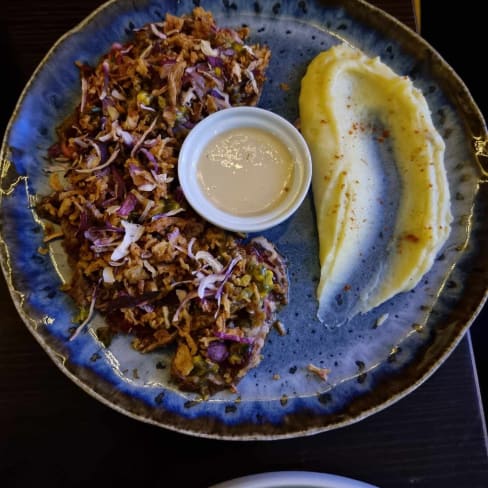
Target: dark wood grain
(53,434)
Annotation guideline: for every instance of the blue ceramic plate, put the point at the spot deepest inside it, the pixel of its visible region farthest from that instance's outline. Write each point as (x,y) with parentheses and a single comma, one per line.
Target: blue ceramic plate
(371,366)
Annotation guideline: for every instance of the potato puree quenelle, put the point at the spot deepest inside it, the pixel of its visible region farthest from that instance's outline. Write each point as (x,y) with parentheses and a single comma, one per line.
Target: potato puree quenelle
(245,171)
(344,95)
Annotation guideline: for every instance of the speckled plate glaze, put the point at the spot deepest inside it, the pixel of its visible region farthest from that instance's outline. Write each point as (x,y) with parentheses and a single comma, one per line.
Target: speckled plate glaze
(371,366)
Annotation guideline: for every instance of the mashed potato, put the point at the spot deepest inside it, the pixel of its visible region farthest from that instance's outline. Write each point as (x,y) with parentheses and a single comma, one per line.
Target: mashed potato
(345,96)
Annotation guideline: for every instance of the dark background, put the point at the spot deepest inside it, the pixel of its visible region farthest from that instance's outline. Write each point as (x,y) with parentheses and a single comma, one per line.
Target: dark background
(457,31)
(419,442)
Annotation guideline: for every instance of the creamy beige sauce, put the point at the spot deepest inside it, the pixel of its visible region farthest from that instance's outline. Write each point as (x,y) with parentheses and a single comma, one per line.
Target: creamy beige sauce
(245,171)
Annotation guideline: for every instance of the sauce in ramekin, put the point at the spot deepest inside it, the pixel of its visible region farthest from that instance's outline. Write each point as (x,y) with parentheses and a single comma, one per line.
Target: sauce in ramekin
(245,171)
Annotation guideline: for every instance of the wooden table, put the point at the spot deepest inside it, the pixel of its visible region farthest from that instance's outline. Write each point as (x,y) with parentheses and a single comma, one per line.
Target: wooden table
(53,434)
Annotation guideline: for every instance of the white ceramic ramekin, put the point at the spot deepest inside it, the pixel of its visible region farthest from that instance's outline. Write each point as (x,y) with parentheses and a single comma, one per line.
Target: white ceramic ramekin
(234,118)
